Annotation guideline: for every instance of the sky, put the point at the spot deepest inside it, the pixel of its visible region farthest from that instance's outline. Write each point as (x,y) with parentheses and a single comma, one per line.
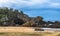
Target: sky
(48,9)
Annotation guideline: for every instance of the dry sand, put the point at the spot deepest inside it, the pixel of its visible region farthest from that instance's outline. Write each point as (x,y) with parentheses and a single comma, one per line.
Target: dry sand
(27,30)
(16,29)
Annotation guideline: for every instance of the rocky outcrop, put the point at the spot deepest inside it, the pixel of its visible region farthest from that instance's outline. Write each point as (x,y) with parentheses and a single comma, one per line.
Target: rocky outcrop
(11,17)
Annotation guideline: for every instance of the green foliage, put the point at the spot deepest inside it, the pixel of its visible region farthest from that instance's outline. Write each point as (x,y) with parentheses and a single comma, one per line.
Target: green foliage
(8,14)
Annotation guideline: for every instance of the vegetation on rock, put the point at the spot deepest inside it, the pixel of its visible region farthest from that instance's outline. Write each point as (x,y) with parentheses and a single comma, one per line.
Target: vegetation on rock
(13,17)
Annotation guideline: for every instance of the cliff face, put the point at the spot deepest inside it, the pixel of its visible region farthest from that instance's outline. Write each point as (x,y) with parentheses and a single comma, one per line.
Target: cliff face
(11,17)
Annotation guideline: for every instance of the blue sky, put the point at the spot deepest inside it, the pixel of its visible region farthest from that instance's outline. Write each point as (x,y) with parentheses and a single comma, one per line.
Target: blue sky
(48,9)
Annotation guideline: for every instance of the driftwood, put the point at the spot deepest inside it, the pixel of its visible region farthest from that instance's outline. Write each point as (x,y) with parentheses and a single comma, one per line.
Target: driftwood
(38,29)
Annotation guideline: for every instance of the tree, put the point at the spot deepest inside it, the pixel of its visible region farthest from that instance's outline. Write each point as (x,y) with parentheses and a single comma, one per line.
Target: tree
(56,21)
(11,9)
(39,18)
(21,12)
(16,11)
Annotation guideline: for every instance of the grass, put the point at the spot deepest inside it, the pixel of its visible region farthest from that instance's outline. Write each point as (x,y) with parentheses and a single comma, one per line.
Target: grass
(26,34)
(58,35)
(18,34)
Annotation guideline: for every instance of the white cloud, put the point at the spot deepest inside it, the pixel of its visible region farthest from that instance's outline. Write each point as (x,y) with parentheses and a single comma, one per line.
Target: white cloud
(34,2)
(29,3)
(55,4)
(21,3)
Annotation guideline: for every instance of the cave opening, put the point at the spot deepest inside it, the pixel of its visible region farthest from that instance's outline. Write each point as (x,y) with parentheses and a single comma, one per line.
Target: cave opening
(18,21)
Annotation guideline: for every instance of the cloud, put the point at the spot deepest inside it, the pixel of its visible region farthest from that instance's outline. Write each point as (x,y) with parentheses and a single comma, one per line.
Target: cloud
(55,4)
(22,3)
(29,3)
